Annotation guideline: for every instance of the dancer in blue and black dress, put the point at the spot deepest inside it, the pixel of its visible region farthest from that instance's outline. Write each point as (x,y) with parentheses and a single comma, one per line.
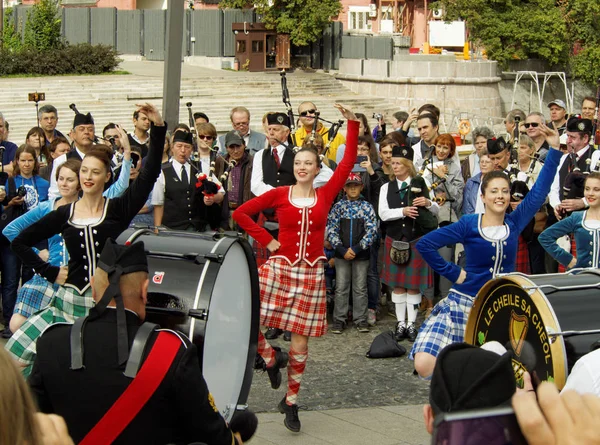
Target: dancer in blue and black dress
(490,241)
(85,226)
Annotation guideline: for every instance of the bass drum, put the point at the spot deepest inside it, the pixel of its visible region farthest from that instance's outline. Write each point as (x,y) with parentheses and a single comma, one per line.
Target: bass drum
(540,319)
(207,287)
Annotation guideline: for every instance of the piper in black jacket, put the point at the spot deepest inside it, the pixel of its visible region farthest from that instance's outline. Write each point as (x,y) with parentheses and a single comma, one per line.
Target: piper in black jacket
(180,411)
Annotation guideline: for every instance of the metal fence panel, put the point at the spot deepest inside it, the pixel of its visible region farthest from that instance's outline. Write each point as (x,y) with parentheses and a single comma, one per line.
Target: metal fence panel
(129,32)
(104,26)
(337,31)
(380,48)
(234,16)
(207,29)
(77,25)
(327,40)
(353,47)
(155,26)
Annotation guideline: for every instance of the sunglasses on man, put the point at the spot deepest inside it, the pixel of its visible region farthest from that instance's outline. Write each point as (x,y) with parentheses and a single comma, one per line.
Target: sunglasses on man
(307,112)
(531,124)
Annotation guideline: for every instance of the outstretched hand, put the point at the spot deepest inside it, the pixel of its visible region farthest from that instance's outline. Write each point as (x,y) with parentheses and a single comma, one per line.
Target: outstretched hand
(152,112)
(551,135)
(346,112)
(124,142)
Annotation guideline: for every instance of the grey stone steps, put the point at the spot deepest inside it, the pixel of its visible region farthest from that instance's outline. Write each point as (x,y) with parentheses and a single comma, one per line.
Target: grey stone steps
(112,98)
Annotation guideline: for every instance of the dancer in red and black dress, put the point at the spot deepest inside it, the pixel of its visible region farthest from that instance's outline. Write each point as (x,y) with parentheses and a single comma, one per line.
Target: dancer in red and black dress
(292,281)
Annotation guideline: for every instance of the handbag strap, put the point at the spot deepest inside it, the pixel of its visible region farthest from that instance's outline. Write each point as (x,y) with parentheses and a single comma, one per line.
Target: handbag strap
(130,403)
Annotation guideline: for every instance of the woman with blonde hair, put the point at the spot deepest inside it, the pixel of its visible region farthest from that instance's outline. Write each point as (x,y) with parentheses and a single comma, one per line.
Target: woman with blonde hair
(409,210)
(19,423)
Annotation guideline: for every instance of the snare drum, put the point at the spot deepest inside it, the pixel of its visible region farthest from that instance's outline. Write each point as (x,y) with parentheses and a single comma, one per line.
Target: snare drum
(525,314)
(207,287)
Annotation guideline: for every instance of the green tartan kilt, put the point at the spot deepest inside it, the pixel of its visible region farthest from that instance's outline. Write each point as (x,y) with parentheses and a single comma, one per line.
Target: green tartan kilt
(66,306)
(415,275)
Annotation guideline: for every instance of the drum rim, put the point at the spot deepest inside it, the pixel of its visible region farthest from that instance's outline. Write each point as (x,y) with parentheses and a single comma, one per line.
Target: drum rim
(547,314)
(222,246)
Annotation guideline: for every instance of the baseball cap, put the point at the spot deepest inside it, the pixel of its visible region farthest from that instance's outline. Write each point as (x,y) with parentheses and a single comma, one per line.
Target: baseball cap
(353,178)
(559,103)
(234,138)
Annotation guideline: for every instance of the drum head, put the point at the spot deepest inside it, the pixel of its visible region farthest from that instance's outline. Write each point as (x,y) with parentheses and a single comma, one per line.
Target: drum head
(514,312)
(228,331)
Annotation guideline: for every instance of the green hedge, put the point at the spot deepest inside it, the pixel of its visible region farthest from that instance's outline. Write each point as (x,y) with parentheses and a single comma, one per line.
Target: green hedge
(72,59)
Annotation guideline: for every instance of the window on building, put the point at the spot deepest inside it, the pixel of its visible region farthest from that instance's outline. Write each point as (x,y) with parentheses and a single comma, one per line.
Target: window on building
(358,18)
(257,46)
(240,46)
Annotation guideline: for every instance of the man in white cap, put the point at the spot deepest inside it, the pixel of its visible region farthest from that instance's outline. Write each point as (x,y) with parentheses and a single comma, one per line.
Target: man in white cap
(558,115)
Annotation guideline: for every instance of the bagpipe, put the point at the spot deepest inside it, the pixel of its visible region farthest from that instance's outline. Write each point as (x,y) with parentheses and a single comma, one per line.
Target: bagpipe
(208,183)
(331,134)
(437,181)
(425,221)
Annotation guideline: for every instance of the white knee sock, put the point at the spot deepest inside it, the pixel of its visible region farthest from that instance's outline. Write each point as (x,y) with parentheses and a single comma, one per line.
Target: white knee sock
(399,301)
(412,307)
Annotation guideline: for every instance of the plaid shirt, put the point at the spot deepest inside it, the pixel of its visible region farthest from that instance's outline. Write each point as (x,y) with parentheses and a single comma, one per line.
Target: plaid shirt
(345,209)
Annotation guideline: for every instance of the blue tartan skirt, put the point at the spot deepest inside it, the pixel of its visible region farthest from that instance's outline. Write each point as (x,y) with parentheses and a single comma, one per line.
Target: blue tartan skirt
(445,326)
(34,295)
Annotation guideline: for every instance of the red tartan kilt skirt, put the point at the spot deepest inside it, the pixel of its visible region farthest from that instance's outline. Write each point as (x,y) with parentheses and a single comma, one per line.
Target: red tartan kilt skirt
(415,275)
(293,298)
(561,268)
(522,264)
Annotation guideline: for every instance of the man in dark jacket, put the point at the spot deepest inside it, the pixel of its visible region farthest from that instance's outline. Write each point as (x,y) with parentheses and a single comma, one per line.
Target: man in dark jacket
(82,381)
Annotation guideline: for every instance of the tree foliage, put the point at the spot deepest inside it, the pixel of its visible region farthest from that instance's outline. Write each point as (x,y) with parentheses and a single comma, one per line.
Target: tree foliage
(42,31)
(11,33)
(303,20)
(582,18)
(564,33)
(513,29)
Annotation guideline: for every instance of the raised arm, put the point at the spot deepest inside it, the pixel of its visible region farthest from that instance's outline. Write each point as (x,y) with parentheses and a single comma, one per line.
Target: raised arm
(538,193)
(336,183)
(137,193)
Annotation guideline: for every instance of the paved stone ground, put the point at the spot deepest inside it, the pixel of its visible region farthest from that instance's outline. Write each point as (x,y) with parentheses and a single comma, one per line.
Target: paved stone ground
(338,375)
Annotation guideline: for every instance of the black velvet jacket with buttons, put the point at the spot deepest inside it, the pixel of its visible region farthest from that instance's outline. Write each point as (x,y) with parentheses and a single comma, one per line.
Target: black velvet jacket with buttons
(85,242)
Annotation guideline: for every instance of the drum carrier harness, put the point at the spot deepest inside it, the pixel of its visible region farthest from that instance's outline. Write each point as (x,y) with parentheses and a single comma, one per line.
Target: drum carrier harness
(117,261)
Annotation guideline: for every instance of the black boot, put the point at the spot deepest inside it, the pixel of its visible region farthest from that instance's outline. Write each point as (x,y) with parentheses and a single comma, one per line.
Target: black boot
(287,336)
(274,372)
(291,421)
(272,333)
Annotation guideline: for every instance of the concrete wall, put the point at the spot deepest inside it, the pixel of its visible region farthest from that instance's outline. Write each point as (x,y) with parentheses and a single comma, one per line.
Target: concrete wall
(454,86)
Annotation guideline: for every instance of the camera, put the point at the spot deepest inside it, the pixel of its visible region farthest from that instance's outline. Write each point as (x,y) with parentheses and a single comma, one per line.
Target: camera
(111,140)
(377,116)
(21,191)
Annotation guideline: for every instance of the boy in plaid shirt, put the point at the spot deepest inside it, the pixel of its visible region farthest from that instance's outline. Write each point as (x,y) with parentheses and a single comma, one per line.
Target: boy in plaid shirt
(351,229)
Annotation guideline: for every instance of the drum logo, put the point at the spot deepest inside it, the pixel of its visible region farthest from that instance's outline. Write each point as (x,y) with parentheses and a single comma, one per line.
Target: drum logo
(517,331)
(158,277)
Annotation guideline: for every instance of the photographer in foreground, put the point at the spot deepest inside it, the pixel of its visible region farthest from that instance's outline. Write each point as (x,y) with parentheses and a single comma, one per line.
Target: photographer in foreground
(558,419)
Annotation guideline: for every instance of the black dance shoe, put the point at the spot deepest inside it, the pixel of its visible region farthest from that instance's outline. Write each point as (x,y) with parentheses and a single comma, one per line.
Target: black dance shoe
(291,421)
(272,333)
(412,333)
(274,372)
(401,332)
